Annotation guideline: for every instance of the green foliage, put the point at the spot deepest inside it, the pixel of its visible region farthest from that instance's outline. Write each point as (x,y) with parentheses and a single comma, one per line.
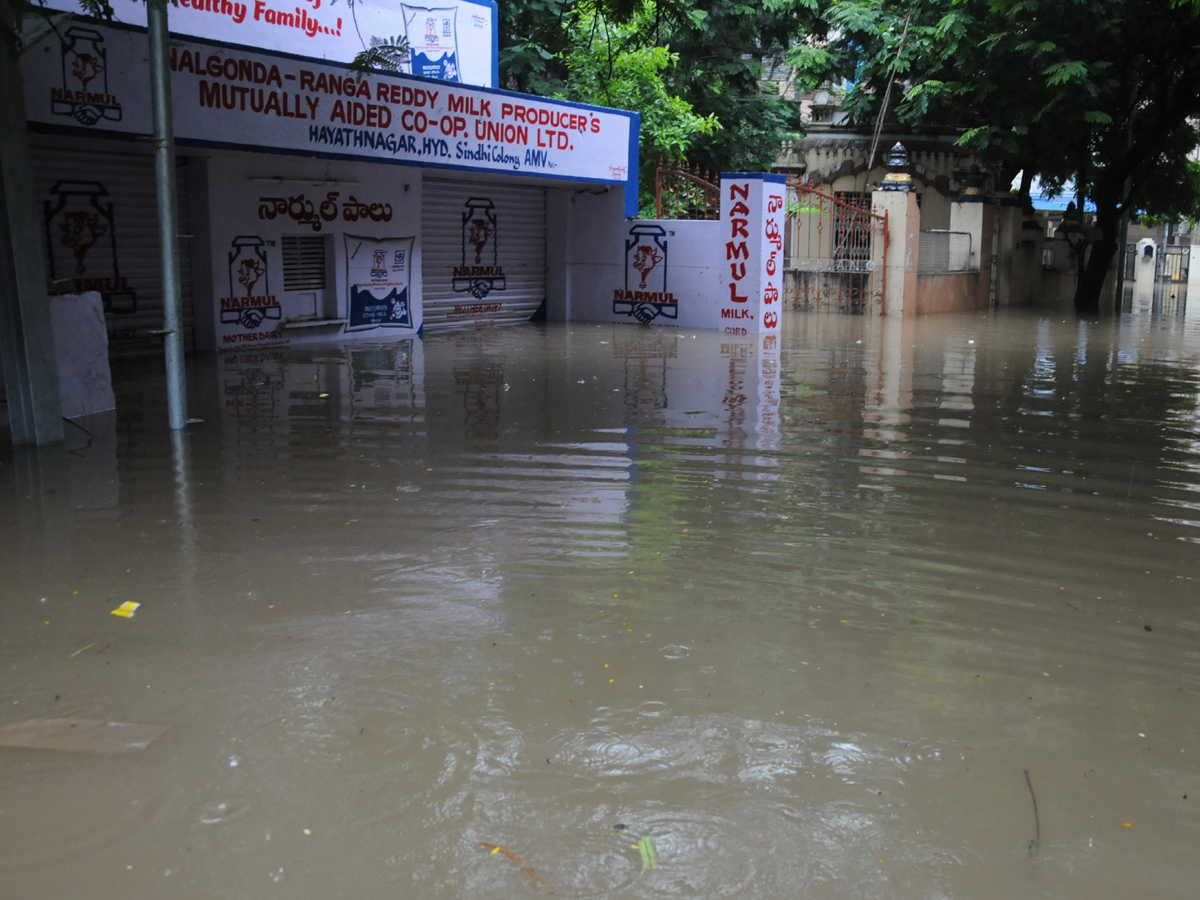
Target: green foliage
(609,68)
(600,72)
(389,54)
(1096,91)
(713,48)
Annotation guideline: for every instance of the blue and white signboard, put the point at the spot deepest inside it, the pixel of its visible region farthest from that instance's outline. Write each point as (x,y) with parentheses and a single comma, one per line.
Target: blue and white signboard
(455,40)
(378,276)
(91,78)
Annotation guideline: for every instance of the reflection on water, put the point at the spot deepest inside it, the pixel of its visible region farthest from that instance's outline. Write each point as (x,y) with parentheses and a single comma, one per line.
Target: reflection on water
(801,611)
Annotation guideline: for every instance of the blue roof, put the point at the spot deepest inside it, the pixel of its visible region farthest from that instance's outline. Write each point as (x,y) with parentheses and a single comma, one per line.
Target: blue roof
(1044,201)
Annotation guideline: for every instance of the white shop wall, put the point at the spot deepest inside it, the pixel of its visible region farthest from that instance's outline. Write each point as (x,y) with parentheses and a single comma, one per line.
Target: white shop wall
(279,229)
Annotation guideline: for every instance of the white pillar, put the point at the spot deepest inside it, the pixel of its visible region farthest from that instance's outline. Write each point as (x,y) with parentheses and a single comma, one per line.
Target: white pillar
(904,239)
(752,259)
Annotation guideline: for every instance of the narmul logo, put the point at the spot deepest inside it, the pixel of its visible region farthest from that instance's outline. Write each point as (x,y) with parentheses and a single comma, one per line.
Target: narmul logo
(81,237)
(480,272)
(84,93)
(645,296)
(248,267)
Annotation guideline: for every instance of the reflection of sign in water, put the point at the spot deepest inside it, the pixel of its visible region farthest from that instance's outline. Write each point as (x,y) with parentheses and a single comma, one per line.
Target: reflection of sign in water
(645,296)
(84,93)
(433,41)
(247,267)
(377,278)
(480,272)
(81,235)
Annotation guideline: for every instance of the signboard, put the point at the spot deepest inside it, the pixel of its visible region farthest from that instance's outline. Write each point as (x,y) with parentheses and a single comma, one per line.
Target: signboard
(378,277)
(451,39)
(752,237)
(92,77)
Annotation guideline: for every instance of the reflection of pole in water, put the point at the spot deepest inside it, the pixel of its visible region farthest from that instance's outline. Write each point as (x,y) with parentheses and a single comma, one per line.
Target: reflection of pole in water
(768,398)
(887,401)
(184,514)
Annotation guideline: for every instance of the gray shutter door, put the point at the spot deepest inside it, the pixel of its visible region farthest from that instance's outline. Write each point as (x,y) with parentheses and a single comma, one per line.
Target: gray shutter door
(483,253)
(99,225)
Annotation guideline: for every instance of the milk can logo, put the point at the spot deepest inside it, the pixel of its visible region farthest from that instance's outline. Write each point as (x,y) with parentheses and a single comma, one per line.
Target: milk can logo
(84,93)
(248,304)
(81,237)
(645,296)
(480,272)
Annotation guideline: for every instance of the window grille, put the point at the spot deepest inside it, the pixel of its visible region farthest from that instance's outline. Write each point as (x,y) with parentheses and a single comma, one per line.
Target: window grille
(945,251)
(304,262)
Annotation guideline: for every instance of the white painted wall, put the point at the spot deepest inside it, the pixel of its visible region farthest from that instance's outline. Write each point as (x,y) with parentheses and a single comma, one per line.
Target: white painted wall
(671,272)
(240,205)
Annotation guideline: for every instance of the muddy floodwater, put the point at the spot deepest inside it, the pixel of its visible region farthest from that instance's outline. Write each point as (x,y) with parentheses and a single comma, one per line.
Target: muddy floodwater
(868,610)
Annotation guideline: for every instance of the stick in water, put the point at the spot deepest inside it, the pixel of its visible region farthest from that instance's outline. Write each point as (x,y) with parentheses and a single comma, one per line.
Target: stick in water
(496,848)
(1037,824)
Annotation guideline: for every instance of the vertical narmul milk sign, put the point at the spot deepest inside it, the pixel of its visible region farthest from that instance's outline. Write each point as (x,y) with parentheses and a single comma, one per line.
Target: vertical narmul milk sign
(752,250)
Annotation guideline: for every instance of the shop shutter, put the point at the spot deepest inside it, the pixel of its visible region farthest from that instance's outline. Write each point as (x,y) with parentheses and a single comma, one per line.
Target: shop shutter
(483,251)
(99,225)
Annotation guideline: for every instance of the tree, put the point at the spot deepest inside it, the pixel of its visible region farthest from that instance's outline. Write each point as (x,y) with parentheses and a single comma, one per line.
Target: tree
(721,47)
(610,67)
(1101,92)
(715,48)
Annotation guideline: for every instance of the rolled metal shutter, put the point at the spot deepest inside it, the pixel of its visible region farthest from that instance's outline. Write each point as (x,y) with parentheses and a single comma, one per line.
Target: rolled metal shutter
(483,253)
(99,225)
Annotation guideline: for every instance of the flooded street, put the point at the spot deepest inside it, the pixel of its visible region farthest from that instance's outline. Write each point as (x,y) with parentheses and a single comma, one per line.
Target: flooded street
(882,610)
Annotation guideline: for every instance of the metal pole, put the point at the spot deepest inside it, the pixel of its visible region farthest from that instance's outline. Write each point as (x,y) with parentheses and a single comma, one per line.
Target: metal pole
(168,217)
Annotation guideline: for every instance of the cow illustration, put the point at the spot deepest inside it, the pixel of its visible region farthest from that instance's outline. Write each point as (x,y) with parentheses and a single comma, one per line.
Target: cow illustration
(79,230)
(86,67)
(644,260)
(249,273)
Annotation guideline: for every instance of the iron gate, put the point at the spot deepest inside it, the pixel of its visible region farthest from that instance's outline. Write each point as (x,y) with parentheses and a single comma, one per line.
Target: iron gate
(1173,263)
(836,247)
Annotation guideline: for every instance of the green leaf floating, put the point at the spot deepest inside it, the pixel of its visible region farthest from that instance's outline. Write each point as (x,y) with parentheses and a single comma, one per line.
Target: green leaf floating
(649,855)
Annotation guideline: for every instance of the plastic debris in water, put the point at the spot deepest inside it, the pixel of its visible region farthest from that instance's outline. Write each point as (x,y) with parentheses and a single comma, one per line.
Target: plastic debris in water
(126,609)
(649,854)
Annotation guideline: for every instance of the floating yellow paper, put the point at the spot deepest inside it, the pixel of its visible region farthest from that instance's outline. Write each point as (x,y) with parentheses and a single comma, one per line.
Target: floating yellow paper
(126,609)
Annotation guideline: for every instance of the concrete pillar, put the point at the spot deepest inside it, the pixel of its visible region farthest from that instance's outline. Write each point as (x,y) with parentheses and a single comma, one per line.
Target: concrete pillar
(1144,265)
(977,218)
(26,335)
(752,210)
(558,254)
(968,216)
(900,260)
